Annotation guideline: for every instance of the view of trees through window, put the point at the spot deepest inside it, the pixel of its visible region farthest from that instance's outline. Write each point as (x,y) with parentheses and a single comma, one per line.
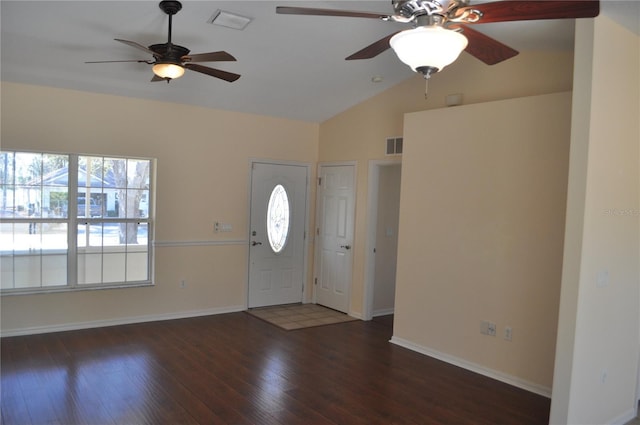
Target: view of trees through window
(104,202)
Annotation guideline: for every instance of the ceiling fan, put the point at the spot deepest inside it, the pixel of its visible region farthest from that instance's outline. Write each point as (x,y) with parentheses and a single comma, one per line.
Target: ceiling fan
(441,28)
(170,60)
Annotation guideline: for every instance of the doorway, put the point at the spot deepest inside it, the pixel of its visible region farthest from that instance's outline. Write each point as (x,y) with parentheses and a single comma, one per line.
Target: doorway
(277,249)
(382,237)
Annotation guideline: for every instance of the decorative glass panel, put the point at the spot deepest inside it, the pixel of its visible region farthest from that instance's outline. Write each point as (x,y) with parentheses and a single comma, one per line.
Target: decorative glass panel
(278,213)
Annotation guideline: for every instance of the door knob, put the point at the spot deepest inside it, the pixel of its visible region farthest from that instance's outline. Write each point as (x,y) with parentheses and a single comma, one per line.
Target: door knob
(254,243)
(345,246)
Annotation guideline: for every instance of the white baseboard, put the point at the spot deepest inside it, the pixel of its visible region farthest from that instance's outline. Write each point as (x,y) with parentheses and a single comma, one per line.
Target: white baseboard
(120,321)
(474,367)
(356,315)
(383,312)
(625,417)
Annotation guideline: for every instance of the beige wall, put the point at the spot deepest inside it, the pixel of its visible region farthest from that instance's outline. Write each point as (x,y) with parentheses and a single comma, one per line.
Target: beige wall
(598,347)
(202,176)
(481,234)
(359,133)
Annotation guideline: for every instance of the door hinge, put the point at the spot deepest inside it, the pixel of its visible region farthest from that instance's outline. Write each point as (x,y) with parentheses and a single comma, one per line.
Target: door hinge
(318,231)
(315,281)
(319,181)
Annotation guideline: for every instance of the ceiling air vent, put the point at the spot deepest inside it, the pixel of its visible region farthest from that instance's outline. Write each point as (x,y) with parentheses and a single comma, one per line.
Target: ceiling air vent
(394,146)
(229,20)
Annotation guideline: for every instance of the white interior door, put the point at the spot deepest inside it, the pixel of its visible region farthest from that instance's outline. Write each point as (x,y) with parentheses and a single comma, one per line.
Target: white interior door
(276,250)
(334,235)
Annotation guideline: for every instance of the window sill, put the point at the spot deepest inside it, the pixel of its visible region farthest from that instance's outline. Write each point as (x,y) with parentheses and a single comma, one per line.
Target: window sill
(56,290)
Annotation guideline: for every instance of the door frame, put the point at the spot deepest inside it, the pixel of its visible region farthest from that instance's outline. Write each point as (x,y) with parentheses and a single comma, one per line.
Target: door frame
(316,249)
(372,222)
(305,253)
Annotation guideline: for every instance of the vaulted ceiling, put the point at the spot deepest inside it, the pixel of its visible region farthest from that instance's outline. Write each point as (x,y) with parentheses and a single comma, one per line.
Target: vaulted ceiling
(290,66)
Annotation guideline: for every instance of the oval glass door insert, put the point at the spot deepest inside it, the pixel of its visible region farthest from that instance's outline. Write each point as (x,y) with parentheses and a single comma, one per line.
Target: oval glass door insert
(278,218)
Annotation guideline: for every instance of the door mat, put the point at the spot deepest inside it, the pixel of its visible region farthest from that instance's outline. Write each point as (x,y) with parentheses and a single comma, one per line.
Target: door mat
(299,316)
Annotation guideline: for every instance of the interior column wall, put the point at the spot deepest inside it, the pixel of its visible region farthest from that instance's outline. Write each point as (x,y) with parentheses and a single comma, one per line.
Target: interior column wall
(596,367)
(482,216)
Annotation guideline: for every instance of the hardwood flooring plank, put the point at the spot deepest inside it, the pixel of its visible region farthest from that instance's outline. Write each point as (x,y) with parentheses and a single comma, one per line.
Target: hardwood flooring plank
(224,398)
(265,389)
(237,369)
(14,409)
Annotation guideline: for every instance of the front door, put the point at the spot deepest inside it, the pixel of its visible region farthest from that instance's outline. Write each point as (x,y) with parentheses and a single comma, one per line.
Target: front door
(334,235)
(276,247)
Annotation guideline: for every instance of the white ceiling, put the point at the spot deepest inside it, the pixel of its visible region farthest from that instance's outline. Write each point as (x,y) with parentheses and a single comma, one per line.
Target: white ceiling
(291,66)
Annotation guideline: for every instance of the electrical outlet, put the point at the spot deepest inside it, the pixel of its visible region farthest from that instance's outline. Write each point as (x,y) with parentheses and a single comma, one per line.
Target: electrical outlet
(488,328)
(508,333)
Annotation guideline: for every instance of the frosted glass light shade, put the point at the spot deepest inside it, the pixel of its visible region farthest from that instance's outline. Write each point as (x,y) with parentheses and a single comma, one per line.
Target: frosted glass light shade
(168,70)
(432,46)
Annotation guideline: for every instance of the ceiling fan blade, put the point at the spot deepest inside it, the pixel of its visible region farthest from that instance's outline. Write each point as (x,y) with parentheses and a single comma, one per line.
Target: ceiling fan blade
(137,46)
(487,49)
(290,10)
(525,10)
(130,60)
(372,50)
(218,73)
(156,78)
(208,57)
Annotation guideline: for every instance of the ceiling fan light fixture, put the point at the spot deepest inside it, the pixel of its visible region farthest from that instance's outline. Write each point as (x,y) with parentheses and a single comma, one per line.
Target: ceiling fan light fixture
(168,70)
(428,49)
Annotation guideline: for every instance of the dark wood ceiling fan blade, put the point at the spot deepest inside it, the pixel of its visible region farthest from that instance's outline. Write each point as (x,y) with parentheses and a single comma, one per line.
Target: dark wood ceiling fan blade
(524,10)
(218,73)
(290,10)
(209,57)
(137,46)
(487,49)
(128,60)
(372,50)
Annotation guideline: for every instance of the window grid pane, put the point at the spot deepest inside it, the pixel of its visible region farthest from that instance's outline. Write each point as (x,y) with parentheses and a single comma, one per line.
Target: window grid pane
(110,229)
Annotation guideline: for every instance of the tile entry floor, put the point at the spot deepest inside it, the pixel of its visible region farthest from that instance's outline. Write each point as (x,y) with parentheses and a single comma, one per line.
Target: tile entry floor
(298,316)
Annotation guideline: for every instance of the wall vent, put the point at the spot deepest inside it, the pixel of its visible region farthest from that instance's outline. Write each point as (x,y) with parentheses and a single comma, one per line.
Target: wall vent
(394,146)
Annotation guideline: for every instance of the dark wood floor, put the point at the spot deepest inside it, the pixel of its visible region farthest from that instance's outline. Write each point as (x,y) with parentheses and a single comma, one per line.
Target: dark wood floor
(236,369)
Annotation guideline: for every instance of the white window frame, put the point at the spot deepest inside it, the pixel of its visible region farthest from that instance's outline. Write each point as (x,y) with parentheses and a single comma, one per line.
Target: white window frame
(72,222)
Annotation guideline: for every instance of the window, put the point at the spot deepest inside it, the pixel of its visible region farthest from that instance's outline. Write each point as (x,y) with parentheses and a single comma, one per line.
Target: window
(278,218)
(73,221)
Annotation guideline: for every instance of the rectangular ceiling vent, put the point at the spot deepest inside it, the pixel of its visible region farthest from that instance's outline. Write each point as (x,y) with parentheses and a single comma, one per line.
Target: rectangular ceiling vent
(229,20)
(394,146)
